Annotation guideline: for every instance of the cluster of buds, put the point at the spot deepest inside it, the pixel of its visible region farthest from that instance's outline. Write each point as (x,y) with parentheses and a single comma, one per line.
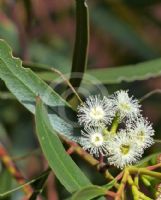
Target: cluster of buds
(114,128)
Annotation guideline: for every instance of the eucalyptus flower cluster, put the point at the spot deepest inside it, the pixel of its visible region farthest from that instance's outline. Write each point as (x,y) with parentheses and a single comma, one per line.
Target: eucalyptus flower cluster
(114,127)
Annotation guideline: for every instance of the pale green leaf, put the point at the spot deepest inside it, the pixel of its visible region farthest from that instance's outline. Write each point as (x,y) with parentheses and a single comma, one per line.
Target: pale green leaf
(140,71)
(129,73)
(61,163)
(89,193)
(26,85)
(93,191)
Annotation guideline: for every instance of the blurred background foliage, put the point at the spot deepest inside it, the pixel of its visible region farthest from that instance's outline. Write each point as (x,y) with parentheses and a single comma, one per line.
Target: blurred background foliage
(122,32)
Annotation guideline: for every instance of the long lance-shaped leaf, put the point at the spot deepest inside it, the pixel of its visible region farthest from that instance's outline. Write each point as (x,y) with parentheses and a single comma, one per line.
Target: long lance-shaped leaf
(61,163)
(26,85)
(140,71)
(93,191)
(128,73)
(81,43)
(89,193)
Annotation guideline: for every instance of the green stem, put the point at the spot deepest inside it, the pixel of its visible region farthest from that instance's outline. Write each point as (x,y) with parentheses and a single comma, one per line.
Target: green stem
(158,165)
(144,197)
(144,171)
(136,180)
(105,132)
(136,193)
(115,124)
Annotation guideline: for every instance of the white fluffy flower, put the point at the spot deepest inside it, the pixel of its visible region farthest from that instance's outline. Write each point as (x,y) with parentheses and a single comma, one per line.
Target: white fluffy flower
(93,141)
(95,111)
(126,106)
(123,151)
(124,147)
(142,131)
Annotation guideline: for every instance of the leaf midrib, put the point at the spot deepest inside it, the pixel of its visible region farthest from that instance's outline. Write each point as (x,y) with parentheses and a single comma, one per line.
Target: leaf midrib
(46,128)
(29,88)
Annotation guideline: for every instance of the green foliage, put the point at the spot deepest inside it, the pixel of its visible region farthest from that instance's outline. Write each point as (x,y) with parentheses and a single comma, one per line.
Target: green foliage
(65,169)
(89,193)
(26,85)
(130,73)
(81,42)
(93,191)
(140,71)
(57,118)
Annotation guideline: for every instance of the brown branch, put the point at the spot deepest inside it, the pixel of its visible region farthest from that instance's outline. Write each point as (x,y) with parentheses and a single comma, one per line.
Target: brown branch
(110,193)
(152,167)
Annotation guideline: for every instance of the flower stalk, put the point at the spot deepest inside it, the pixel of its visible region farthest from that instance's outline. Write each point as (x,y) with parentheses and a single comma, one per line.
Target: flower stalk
(115,125)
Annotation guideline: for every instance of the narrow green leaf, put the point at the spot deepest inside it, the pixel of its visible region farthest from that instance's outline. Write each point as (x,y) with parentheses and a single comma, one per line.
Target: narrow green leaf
(89,193)
(61,163)
(129,73)
(140,71)
(26,85)
(93,191)
(81,43)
